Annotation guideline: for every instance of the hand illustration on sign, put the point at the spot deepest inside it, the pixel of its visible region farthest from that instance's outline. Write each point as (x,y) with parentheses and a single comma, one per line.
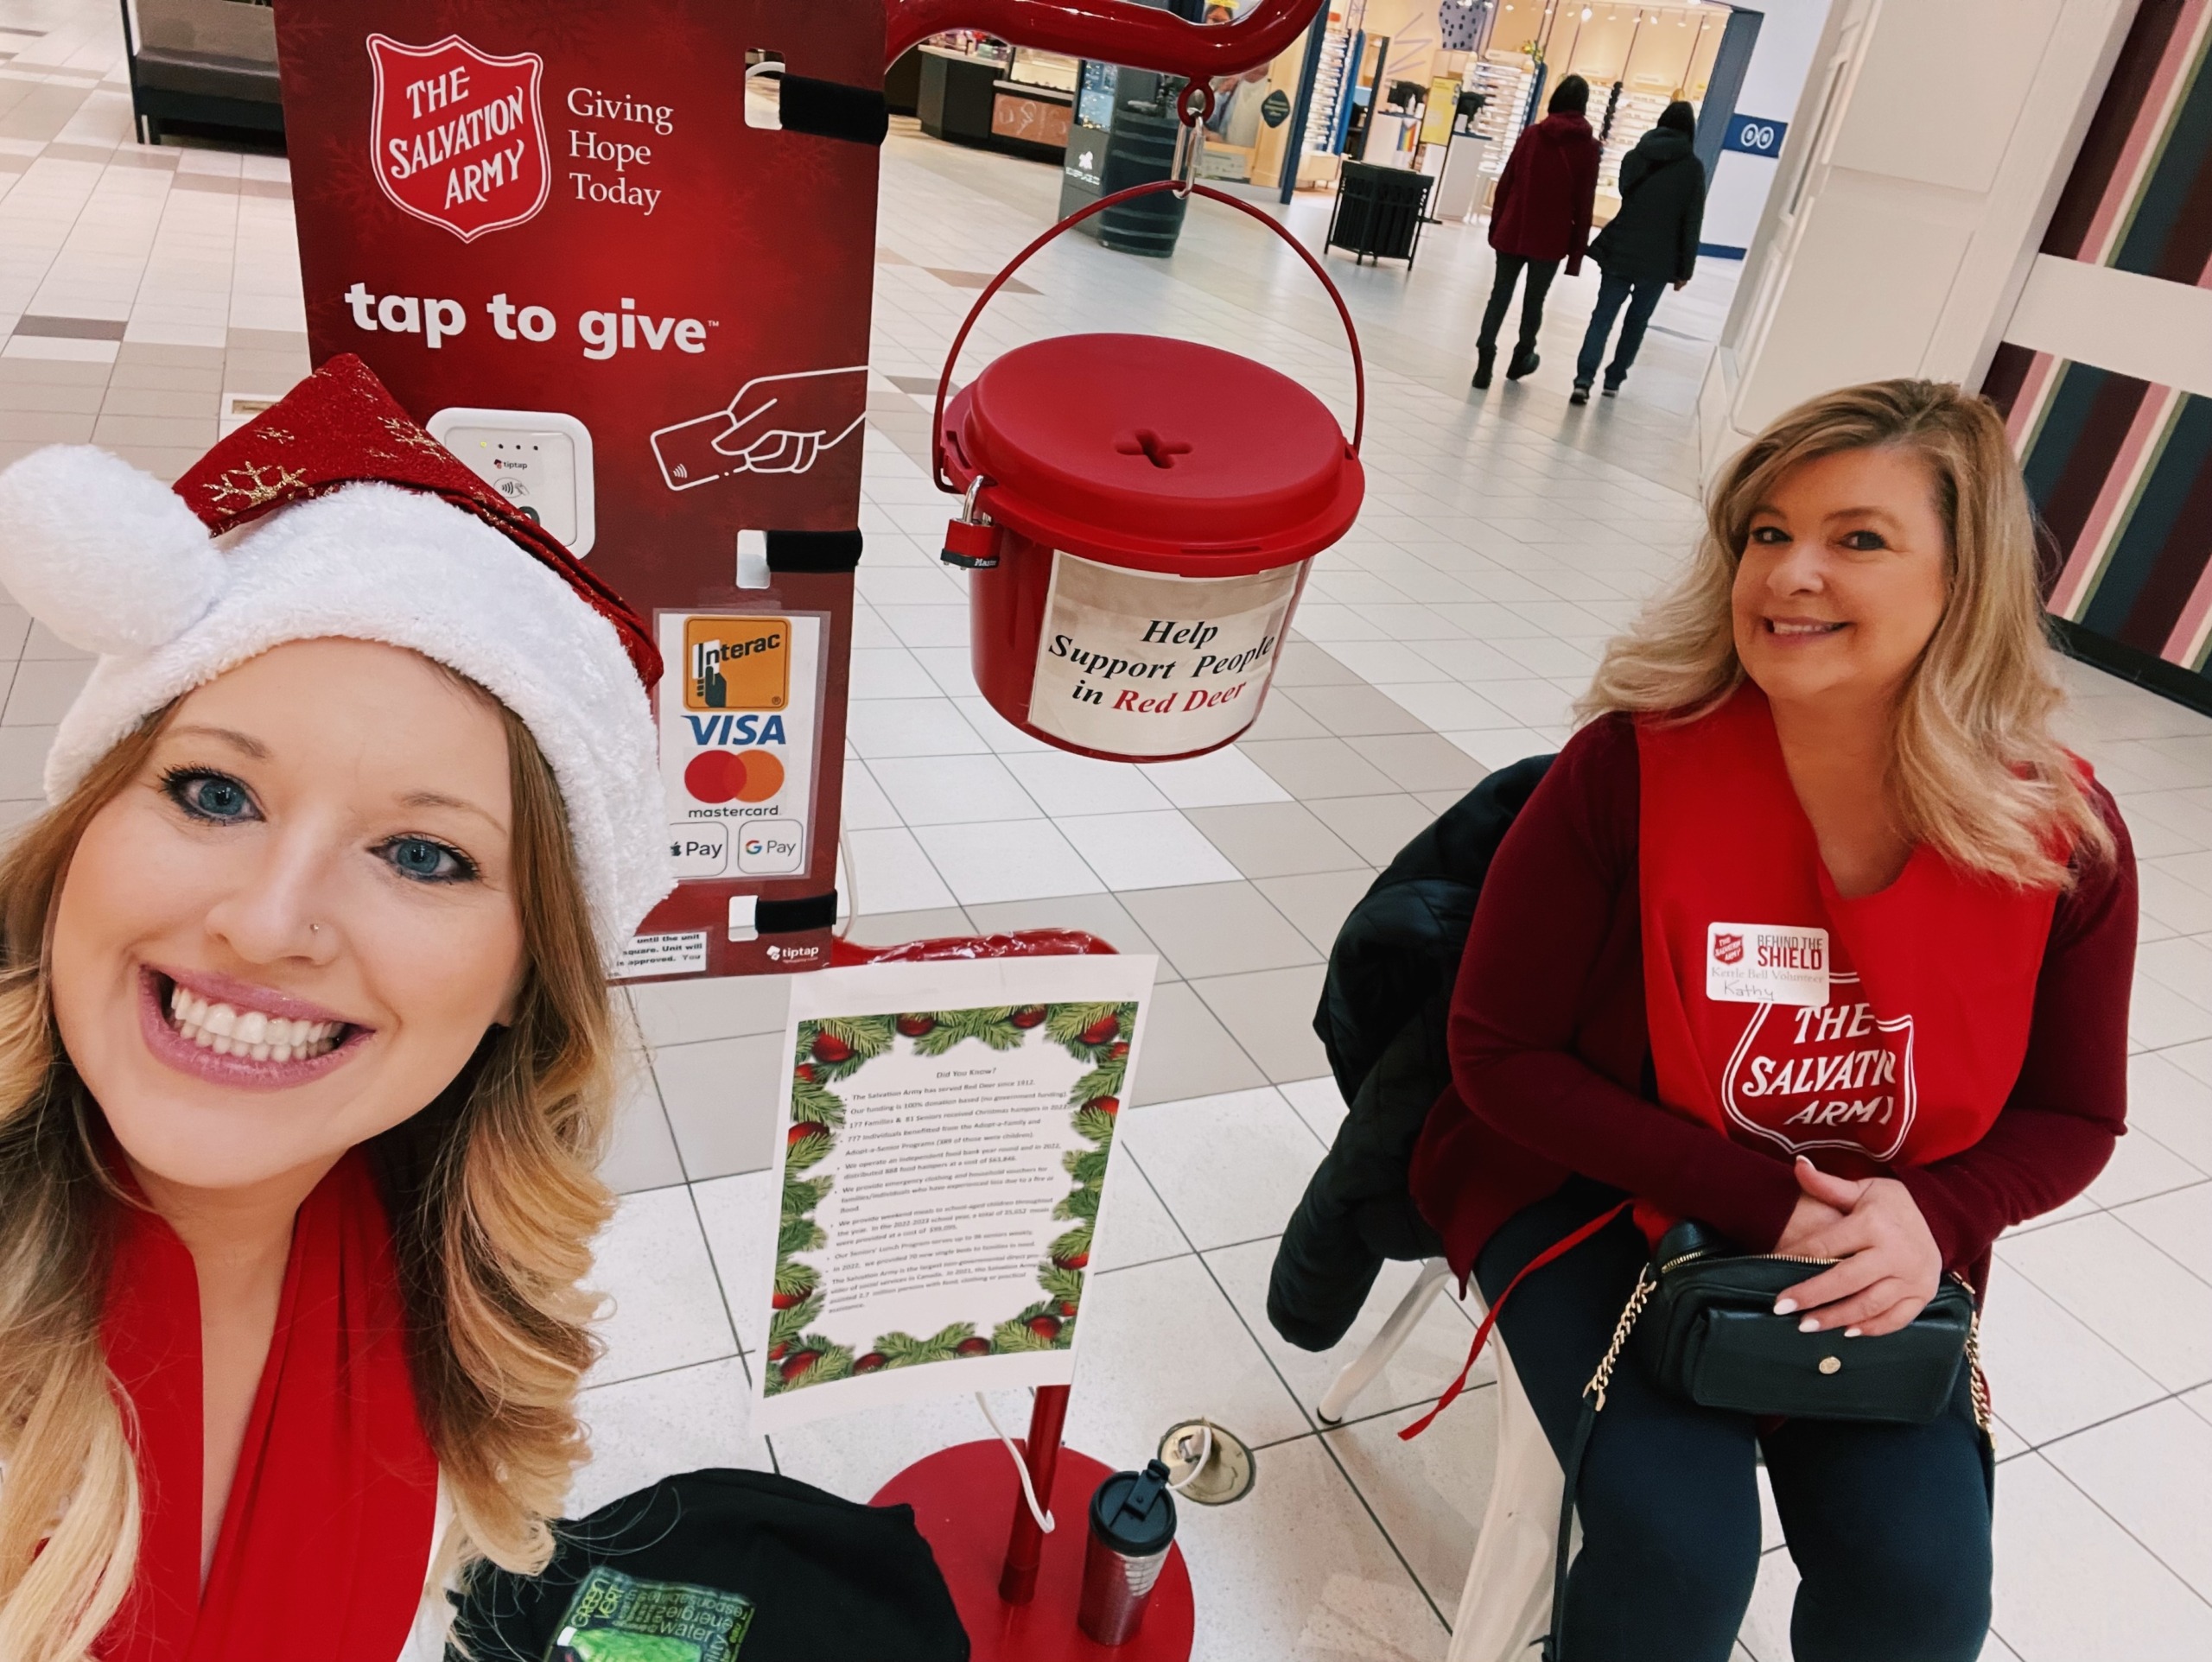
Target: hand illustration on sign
(775,424)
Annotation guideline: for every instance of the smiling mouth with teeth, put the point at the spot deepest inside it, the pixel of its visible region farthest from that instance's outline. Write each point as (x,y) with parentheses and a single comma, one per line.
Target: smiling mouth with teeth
(253,1034)
(1776,627)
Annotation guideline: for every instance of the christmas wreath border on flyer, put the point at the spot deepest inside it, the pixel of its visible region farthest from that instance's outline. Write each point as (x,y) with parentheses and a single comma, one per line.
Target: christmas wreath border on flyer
(830,1049)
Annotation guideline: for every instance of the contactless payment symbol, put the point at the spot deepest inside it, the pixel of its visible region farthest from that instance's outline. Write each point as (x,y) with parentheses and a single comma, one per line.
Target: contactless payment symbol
(457,135)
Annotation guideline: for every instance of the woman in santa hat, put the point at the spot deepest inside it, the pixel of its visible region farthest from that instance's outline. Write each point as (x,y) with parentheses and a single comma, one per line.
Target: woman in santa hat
(305,1041)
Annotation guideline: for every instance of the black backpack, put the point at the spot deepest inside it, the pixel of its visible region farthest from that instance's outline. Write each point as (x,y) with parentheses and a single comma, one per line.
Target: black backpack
(1382,1019)
(823,1578)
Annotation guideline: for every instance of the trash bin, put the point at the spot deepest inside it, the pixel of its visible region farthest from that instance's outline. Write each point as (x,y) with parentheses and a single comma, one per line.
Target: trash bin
(1379,211)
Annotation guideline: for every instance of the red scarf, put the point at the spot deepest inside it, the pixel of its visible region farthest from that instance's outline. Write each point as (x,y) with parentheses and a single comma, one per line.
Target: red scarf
(326,1536)
(1911,1005)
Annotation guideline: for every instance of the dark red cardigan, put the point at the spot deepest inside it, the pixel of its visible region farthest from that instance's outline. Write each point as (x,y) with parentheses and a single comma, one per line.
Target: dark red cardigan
(1550,1060)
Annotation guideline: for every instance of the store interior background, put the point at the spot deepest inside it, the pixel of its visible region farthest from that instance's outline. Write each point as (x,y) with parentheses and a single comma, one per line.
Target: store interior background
(149,299)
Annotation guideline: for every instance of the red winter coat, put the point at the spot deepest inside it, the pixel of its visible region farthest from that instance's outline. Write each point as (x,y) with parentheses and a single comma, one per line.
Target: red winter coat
(1541,211)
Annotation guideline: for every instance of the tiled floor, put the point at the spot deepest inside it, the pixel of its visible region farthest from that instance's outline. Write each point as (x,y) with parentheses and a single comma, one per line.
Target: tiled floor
(1503,538)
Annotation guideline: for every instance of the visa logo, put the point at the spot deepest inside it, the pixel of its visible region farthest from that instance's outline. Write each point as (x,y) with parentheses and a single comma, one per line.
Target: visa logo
(750,729)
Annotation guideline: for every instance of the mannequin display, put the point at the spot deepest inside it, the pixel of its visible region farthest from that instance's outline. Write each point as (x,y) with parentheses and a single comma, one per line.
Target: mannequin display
(305,1043)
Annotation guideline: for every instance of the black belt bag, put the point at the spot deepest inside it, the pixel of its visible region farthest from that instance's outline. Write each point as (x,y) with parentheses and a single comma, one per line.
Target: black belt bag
(1702,1320)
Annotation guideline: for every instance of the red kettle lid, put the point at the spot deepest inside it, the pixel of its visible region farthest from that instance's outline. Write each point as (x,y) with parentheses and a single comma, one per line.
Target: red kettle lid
(1154,453)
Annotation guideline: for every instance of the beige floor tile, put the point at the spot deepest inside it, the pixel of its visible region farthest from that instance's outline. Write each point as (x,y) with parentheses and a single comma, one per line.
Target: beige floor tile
(1270,1012)
(1188,1052)
(1423,762)
(1318,902)
(1218,929)
(1375,826)
(1311,768)
(1265,840)
(1354,711)
(1304,664)
(722,1102)
(1281,718)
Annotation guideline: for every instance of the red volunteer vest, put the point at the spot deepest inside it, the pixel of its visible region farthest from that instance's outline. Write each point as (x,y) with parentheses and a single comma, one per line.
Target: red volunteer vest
(1868,1033)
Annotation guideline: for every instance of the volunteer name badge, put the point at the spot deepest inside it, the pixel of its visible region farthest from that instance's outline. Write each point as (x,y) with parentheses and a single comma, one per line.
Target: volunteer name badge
(1144,664)
(1766,963)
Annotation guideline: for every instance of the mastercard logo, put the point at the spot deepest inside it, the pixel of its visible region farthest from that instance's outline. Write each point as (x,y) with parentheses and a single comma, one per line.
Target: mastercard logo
(733,776)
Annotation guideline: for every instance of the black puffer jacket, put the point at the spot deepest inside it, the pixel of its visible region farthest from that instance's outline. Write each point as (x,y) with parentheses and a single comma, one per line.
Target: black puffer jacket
(1655,236)
(1382,1021)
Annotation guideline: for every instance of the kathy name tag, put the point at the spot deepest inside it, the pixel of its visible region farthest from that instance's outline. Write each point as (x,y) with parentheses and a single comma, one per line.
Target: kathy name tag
(1766,963)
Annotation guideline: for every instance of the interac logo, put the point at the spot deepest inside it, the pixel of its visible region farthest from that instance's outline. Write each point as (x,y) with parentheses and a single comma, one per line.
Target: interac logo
(737,663)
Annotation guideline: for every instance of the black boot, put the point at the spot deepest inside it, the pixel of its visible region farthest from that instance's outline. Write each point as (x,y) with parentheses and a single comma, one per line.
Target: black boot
(1524,363)
(1485,361)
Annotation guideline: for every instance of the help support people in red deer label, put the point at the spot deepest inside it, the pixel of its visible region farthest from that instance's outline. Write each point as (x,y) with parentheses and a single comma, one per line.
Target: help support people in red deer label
(1141,663)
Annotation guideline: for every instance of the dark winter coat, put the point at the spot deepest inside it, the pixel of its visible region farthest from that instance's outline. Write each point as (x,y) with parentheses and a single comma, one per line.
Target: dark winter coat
(1543,206)
(1382,1021)
(1655,236)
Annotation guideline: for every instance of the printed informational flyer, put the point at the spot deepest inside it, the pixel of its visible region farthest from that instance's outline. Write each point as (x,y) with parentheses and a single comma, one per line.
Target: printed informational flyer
(948,1137)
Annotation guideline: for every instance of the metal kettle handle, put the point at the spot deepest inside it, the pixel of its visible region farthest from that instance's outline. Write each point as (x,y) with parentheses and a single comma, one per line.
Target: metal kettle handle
(1151,188)
(1140,36)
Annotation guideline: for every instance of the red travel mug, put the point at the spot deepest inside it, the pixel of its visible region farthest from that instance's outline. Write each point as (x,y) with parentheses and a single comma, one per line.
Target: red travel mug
(1132,1527)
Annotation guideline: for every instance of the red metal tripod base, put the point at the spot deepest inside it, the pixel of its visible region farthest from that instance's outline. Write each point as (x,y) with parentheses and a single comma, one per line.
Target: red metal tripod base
(963,1499)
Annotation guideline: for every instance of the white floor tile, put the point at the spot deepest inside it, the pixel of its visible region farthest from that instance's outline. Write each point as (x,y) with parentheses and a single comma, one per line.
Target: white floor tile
(665,1307)
(1231,1168)
(2073,1586)
(646,1428)
(1024,859)
(2125,1289)
(1064,784)
(738,1215)
(952,789)
(1156,850)
(890,873)
(2048,1373)
(1221,778)
(2150,1473)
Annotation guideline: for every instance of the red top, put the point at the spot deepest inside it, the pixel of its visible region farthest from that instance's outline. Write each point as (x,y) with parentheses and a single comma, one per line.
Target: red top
(1542,206)
(1551,1051)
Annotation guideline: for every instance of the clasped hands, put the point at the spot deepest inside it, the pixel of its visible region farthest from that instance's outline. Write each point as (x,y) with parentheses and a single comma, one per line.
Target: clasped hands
(1888,1263)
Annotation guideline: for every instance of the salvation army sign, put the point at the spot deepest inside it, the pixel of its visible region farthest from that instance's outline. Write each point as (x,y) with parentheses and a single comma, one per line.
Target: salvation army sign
(457,133)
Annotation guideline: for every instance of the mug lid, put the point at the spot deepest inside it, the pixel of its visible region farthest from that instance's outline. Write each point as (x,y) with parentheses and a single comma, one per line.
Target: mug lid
(1157,452)
(1133,1513)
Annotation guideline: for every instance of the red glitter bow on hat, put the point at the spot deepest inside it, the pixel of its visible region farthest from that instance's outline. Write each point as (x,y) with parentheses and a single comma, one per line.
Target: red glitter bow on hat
(341,426)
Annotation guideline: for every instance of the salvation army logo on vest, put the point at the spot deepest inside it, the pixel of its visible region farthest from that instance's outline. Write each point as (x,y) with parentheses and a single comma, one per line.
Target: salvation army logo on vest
(458,134)
(1834,1076)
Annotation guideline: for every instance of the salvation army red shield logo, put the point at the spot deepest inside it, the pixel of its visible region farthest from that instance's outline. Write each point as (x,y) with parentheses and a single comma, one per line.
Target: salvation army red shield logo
(457,133)
(1728,948)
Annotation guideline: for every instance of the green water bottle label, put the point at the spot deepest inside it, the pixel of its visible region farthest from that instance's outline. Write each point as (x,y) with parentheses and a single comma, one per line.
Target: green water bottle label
(618,1618)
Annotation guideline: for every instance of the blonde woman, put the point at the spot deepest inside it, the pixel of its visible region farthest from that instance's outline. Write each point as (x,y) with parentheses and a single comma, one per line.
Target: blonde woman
(304,1039)
(1816,935)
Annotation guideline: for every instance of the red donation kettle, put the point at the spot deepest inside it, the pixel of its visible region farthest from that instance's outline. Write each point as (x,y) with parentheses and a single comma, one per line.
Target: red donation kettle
(1138,513)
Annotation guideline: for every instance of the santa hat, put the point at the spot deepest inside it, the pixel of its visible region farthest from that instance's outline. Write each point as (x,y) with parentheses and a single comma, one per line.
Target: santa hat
(334,514)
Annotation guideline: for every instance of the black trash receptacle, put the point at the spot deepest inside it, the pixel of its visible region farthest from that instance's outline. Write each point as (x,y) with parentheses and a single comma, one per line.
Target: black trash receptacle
(1379,211)
(1140,149)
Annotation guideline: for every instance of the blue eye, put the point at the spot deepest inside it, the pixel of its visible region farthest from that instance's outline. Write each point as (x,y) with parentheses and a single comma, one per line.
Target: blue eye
(205,794)
(427,862)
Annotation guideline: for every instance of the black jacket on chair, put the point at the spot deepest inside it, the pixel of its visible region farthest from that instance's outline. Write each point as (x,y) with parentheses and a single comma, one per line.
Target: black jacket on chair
(1654,237)
(1381,1017)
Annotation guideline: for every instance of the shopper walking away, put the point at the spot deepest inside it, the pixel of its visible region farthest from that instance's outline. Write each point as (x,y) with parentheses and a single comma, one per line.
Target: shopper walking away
(1836,729)
(1651,243)
(1540,216)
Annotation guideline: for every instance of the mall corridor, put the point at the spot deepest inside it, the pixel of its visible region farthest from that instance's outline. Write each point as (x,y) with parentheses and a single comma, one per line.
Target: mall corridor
(150,301)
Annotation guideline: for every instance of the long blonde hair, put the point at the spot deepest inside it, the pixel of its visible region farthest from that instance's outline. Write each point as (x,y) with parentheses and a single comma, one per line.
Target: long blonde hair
(494,1200)
(1974,770)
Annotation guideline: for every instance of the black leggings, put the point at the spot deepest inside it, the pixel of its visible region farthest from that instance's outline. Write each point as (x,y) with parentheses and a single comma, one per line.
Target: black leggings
(1510,267)
(1889,1524)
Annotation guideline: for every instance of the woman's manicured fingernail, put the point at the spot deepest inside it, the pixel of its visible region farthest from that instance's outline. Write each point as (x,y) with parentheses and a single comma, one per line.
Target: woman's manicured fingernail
(1810,1325)
(1850,1333)
(1783,1306)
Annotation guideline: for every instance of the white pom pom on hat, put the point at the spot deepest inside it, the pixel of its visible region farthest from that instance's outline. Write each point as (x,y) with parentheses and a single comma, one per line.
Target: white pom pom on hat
(108,558)
(338,516)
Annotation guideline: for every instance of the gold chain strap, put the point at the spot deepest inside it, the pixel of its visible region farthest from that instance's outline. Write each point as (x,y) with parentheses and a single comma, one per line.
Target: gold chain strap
(1977,1381)
(1645,1286)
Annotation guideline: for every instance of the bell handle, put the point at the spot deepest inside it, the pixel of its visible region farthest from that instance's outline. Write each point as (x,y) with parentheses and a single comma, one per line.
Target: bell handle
(1151,188)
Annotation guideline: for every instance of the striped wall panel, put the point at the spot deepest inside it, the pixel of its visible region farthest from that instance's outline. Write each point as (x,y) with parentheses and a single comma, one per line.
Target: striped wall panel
(2139,197)
(2121,468)
(2121,471)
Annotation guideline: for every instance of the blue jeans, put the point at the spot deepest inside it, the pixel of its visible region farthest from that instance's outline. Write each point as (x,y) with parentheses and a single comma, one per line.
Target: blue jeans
(1889,1524)
(1642,298)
